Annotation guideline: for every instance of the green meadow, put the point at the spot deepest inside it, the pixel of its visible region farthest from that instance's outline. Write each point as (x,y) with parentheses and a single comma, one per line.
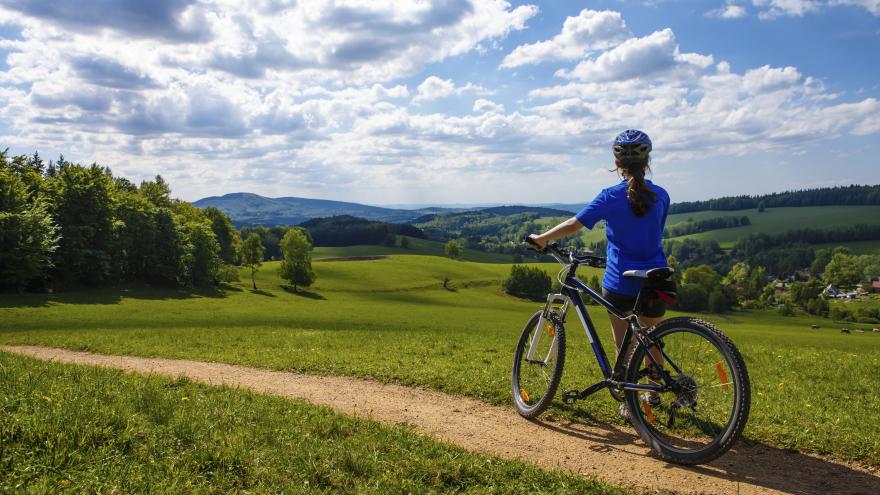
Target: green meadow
(392,320)
(416,246)
(90,430)
(772,221)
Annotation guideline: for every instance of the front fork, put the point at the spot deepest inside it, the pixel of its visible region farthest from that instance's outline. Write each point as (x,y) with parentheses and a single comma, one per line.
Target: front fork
(552,317)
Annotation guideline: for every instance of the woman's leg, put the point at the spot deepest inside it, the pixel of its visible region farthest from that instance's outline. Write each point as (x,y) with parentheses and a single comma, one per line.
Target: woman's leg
(618,326)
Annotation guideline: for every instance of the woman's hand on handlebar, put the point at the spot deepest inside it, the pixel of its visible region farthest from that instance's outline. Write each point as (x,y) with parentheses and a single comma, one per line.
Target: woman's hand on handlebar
(536,242)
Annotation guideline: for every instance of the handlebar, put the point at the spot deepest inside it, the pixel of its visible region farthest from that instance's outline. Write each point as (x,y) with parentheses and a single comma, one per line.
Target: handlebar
(566,257)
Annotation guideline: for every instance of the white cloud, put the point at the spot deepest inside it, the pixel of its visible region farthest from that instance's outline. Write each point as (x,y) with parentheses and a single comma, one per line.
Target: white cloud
(728,11)
(433,88)
(773,9)
(654,54)
(590,30)
(482,105)
(303,98)
(872,6)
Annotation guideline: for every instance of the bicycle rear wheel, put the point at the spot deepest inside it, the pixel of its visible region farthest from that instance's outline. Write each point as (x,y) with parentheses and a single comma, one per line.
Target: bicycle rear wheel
(706,406)
(537,366)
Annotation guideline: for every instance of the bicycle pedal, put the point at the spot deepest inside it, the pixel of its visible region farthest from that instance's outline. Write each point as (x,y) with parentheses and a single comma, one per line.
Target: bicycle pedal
(571,395)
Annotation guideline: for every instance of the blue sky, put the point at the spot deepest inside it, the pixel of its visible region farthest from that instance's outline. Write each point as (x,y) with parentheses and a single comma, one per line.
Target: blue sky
(452,101)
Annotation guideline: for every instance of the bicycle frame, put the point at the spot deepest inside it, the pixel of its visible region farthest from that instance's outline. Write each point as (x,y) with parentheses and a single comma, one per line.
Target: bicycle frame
(571,291)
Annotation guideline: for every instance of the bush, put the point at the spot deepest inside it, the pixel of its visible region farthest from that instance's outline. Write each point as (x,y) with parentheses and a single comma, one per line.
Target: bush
(227,274)
(717,301)
(840,314)
(452,250)
(527,282)
(787,308)
(692,297)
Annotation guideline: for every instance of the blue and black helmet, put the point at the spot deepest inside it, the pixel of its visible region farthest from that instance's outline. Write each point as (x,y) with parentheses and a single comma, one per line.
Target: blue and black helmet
(632,144)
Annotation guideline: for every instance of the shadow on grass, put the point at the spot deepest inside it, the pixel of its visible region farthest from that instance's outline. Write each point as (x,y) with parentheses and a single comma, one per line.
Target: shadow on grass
(261,292)
(749,461)
(303,293)
(111,295)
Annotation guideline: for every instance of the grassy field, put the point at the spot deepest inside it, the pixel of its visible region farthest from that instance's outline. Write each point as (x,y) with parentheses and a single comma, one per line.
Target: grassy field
(391,319)
(772,221)
(416,246)
(91,430)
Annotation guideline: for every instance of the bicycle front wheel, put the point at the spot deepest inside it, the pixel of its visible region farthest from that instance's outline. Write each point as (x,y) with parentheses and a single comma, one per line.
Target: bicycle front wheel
(705,406)
(537,366)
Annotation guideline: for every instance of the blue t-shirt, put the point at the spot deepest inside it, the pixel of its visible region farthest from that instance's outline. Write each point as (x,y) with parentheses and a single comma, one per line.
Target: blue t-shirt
(633,242)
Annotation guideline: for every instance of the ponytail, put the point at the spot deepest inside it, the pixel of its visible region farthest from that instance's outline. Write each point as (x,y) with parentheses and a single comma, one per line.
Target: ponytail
(639,195)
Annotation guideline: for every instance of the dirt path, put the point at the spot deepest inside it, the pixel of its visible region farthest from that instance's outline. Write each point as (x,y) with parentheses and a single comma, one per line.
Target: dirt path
(612,454)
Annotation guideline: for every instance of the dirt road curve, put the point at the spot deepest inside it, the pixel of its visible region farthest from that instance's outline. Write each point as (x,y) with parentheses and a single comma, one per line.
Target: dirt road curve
(612,454)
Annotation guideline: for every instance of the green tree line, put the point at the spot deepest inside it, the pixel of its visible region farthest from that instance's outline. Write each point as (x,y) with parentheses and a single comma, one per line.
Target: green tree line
(65,225)
(826,196)
(695,227)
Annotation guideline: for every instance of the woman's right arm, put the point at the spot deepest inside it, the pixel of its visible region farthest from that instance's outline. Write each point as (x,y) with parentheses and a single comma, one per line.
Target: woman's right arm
(564,229)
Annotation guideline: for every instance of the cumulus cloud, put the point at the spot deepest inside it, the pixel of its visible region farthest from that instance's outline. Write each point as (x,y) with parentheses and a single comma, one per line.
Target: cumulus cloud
(772,9)
(110,73)
(170,20)
(654,54)
(486,106)
(728,11)
(304,97)
(588,31)
(433,88)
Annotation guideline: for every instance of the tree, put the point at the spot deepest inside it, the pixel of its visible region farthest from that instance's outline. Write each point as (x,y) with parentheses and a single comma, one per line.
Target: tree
(761,207)
(717,302)
(843,269)
(787,308)
(83,209)
(252,255)
(453,250)
(201,260)
(390,240)
(528,282)
(404,242)
(692,297)
(167,260)
(702,275)
(227,236)
(28,235)
(296,262)
(158,192)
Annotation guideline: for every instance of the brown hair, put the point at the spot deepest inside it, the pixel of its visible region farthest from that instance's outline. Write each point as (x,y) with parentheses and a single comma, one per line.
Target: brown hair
(640,196)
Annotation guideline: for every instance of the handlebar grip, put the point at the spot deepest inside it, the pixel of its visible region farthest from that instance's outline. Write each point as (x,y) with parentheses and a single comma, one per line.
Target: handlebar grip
(535,246)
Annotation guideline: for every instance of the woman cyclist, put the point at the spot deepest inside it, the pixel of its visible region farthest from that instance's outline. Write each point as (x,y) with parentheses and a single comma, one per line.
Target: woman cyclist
(634,212)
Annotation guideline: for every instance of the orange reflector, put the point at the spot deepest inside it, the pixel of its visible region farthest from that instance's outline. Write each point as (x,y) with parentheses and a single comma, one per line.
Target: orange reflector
(550,330)
(523,394)
(721,374)
(649,413)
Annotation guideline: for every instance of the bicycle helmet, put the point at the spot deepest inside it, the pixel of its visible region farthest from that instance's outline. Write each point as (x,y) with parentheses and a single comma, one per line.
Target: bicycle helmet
(632,144)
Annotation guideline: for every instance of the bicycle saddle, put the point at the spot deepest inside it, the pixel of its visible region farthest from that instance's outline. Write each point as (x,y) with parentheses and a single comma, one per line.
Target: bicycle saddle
(653,273)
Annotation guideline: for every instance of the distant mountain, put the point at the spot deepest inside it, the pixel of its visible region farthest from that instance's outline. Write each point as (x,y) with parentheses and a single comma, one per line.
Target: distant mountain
(506,211)
(567,208)
(247,209)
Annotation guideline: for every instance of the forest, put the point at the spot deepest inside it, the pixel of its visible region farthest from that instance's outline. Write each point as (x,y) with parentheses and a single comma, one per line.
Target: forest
(64,225)
(841,195)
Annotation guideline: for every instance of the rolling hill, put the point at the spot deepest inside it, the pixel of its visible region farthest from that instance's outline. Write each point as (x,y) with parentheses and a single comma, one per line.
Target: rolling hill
(247,209)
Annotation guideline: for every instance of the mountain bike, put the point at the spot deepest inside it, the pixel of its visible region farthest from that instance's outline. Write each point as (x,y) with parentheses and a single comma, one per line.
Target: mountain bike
(694,370)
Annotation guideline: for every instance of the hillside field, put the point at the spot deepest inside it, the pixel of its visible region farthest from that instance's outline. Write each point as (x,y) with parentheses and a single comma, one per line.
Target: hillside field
(391,320)
(416,246)
(771,221)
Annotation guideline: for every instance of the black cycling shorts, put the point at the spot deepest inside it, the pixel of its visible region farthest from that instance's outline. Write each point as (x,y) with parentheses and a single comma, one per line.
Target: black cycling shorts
(653,307)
